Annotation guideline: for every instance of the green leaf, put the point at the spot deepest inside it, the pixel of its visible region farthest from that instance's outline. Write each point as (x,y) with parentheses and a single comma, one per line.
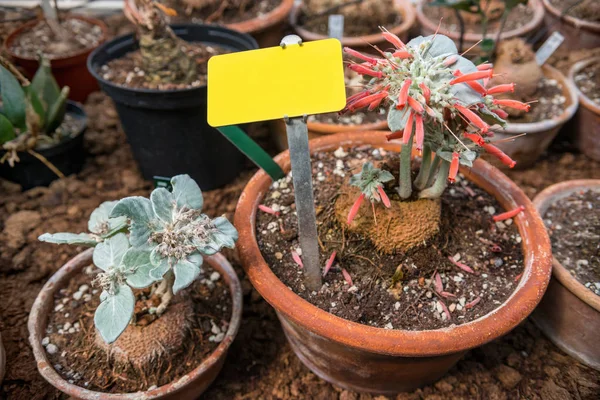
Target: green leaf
(139,210)
(397,118)
(37,106)
(56,111)
(160,264)
(100,222)
(114,313)
(186,271)
(224,235)
(13,99)
(69,238)
(187,192)
(491,118)
(7,131)
(137,261)
(163,204)
(487,45)
(109,253)
(44,84)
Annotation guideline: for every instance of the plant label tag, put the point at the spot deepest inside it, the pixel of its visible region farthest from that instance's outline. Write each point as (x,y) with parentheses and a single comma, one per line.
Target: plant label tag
(548,48)
(290,80)
(162,182)
(335,26)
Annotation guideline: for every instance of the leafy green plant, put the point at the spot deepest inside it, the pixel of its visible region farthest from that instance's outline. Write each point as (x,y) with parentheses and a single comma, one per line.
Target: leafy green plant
(139,242)
(370,181)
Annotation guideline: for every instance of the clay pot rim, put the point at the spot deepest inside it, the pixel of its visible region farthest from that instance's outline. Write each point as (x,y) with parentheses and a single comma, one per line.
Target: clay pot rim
(403,7)
(583,99)
(535,5)
(568,88)
(72,267)
(261,23)
(527,294)
(326,129)
(60,61)
(576,22)
(542,202)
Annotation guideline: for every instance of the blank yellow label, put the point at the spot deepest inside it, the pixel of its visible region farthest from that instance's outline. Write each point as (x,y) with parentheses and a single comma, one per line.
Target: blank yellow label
(265,84)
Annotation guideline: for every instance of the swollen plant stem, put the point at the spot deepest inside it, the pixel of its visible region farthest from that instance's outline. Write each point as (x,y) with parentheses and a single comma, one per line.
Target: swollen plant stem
(434,166)
(165,291)
(438,187)
(421,180)
(405,189)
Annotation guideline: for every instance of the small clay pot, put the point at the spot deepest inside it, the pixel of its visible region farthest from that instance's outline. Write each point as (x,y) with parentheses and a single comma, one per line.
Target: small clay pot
(69,71)
(429,27)
(569,313)
(587,119)
(362,43)
(386,361)
(268,29)
(578,33)
(526,150)
(189,386)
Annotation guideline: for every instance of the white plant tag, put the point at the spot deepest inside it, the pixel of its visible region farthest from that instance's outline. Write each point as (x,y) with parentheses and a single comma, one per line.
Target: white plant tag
(548,48)
(336,26)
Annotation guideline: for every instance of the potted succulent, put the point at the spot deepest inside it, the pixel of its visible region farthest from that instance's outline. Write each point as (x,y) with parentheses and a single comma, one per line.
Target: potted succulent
(67,42)
(164,335)
(41,132)
(158,84)
(309,20)
(411,272)
(264,20)
(576,20)
(584,75)
(569,313)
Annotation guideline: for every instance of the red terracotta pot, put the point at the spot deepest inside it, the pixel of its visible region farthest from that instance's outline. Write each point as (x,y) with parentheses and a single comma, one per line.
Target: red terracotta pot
(367,359)
(69,71)
(362,43)
(569,313)
(578,33)
(268,29)
(587,119)
(189,386)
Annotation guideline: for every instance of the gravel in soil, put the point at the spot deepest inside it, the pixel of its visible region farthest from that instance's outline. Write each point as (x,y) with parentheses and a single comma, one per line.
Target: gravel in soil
(573,223)
(588,81)
(127,71)
(547,102)
(588,10)
(220,12)
(82,35)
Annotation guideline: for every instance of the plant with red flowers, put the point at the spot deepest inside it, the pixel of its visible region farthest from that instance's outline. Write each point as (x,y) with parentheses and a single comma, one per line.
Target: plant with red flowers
(370,181)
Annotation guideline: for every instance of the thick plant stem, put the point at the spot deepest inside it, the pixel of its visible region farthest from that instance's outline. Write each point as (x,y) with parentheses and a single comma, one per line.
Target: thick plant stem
(405,189)
(421,180)
(432,169)
(165,291)
(441,181)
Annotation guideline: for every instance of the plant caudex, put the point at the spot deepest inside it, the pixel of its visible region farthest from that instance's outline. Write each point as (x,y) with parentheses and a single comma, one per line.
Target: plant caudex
(139,242)
(438,101)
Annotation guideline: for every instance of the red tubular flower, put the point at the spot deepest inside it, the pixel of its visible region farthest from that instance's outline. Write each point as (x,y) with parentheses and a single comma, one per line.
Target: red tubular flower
(394,135)
(363,70)
(393,39)
(501,113)
(472,303)
(504,159)
(355,208)
(476,86)
(462,266)
(509,214)
(429,111)
(426,92)
(472,117)
(408,128)
(403,54)
(508,87)
(419,131)
(268,210)
(375,104)
(473,76)
(365,101)
(347,277)
(402,97)
(485,66)
(357,96)
(512,104)
(475,138)
(297,259)
(329,263)
(415,105)
(450,60)
(384,197)
(360,55)
(453,167)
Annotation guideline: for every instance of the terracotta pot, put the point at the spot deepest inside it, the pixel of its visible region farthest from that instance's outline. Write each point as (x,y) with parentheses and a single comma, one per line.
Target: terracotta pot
(587,119)
(319,129)
(268,29)
(569,313)
(368,359)
(578,33)
(69,71)
(361,43)
(525,150)
(189,386)
(428,27)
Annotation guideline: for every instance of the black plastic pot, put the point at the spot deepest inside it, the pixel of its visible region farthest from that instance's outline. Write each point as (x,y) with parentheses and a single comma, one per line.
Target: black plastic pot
(167,129)
(68,156)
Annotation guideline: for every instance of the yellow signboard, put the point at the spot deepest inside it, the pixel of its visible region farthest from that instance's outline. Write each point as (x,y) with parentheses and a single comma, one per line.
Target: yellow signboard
(265,84)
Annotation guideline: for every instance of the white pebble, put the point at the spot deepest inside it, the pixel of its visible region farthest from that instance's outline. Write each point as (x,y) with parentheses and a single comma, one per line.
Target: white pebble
(45,341)
(51,348)
(215,276)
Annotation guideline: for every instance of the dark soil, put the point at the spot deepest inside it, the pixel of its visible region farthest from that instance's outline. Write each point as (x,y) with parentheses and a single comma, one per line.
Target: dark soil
(81,35)
(588,10)
(588,81)
(220,12)
(548,102)
(127,70)
(574,226)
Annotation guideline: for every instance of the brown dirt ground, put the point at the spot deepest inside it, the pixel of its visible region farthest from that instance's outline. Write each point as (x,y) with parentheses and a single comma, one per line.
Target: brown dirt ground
(523,364)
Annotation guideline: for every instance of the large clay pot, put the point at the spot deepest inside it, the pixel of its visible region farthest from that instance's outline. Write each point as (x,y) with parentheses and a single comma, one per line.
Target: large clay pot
(362,43)
(189,386)
(526,150)
(569,313)
(69,71)
(587,119)
(268,29)
(578,33)
(368,359)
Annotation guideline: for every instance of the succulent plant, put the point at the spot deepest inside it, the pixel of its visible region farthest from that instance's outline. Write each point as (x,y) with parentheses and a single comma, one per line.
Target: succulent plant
(139,242)
(370,181)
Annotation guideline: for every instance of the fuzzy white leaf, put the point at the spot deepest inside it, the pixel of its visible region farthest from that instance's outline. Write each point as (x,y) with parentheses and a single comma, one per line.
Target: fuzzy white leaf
(114,313)
(69,238)
(163,204)
(138,262)
(100,222)
(186,271)
(225,235)
(187,192)
(160,264)
(139,211)
(110,252)
(397,118)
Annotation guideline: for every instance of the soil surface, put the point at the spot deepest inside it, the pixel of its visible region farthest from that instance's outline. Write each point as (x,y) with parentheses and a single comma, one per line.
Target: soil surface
(220,12)
(127,70)
(574,226)
(588,81)
(588,10)
(79,36)
(548,102)
(260,364)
